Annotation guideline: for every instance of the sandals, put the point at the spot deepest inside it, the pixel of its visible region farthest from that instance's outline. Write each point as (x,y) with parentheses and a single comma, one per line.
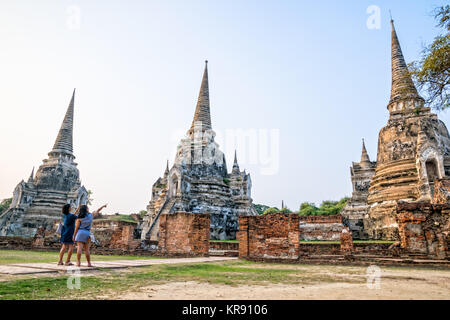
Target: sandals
(68,264)
(60,264)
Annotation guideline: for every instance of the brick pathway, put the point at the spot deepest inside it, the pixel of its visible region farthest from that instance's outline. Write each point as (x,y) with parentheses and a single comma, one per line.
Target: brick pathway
(34,268)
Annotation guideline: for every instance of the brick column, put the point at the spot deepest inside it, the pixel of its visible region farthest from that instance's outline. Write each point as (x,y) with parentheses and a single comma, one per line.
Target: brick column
(242,237)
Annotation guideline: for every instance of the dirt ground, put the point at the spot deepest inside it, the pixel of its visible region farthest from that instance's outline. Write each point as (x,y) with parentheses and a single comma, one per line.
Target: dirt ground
(394,284)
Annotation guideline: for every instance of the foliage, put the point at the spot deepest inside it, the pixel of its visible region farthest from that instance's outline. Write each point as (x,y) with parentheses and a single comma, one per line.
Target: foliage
(260,208)
(120,217)
(325,209)
(142,213)
(4,205)
(271,210)
(226,181)
(432,72)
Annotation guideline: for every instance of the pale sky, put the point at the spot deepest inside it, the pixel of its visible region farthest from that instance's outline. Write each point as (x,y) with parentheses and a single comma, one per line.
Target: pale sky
(310,70)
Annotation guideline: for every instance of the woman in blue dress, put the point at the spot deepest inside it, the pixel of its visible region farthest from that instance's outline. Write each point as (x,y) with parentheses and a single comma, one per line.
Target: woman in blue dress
(67,235)
(82,234)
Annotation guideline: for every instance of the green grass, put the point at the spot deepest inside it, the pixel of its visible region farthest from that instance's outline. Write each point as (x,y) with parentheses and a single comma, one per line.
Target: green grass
(22,256)
(119,217)
(338,242)
(114,282)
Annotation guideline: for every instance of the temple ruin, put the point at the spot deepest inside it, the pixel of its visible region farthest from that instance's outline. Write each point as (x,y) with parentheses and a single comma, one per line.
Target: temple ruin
(37,203)
(357,207)
(199,182)
(413,151)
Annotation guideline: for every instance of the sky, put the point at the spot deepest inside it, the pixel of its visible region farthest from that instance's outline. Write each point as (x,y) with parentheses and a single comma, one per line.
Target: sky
(304,81)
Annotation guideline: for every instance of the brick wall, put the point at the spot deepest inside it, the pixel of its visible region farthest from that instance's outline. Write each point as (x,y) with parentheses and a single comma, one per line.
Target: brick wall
(321,228)
(113,234)
(441,191)
(424,228)
(221,245)
(184,234)
(346,241)
(272,236)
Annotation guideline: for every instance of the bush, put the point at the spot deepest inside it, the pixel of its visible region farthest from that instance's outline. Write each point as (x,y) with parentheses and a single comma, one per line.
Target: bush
(327,208)
(4,205)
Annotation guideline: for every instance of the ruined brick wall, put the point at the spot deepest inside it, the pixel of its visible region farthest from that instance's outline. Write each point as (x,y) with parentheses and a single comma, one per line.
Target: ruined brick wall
(271,236)
(113,234)
(184,234)
(318,228)
(441,191)
(219,245)
(16,243)
(346,241)
(424,228)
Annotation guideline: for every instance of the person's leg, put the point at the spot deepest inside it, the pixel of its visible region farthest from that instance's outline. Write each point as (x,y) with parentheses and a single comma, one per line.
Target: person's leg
(79,250)
(87,253)
(61,254)
(69,253)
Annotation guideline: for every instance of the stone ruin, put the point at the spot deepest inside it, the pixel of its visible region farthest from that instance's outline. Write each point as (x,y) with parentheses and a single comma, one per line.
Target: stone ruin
(413,150)
(321,228)
(37,203)
(199,182)
(357,207)
(425,228)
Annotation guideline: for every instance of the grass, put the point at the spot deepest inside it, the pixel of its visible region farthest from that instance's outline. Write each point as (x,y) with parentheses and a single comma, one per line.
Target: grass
(119,217)
(99,285)
(22,256)
(354,241)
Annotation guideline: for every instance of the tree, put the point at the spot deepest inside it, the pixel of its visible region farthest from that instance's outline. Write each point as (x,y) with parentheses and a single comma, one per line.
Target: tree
(5,204)
(327,208)
(260,208)
(432,72)
(307,209)
(271,210)
(142,213)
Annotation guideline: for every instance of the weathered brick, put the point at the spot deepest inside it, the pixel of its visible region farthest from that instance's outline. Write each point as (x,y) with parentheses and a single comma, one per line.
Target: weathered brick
(184,234)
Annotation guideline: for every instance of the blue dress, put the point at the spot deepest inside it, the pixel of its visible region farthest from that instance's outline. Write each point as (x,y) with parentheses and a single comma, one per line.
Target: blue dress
(68,228)
(84,232)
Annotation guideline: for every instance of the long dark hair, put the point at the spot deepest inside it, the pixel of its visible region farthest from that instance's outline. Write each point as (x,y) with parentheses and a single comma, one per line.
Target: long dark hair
(66,209)
(83,211)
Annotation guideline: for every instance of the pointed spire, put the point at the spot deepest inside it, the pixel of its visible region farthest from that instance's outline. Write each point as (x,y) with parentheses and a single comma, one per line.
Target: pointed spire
(282,204)
(167,169)
(402,84)
(236,169)
(31,178)
(202,111)
(64,141)
(364,155)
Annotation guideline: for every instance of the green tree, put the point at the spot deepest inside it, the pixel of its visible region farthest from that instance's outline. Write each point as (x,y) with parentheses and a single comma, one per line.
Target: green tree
(142,213)
(307,209)
(271,210)
(432,72)
(260,208)
(327,208)
(4,205)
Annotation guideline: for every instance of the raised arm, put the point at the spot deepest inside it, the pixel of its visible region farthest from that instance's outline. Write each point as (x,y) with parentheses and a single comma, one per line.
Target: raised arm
(97,212)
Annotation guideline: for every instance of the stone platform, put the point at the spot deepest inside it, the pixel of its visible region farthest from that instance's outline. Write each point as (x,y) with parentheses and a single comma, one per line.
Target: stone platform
(36,268)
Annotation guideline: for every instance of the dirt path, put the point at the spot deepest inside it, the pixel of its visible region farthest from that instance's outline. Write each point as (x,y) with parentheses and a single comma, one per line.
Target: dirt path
(395,284)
